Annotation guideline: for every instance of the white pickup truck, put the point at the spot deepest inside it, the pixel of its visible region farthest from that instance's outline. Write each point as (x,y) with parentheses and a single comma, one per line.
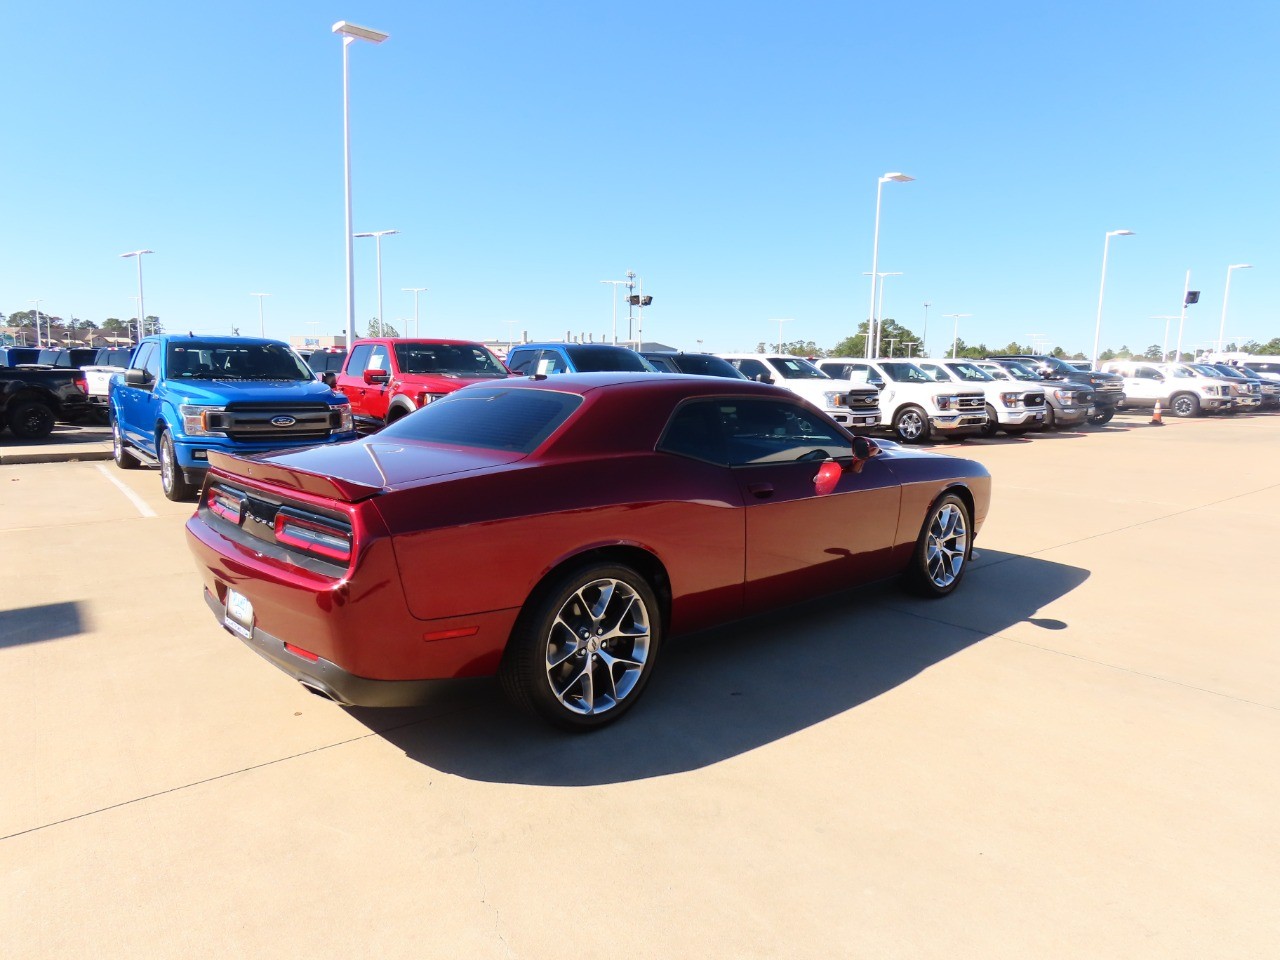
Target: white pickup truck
(914,405)
(1011,407)
(98,375)
(855,406)
(1182,390)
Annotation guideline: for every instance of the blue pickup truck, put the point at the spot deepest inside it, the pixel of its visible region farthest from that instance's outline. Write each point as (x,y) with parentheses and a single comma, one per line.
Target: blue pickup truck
(183,396)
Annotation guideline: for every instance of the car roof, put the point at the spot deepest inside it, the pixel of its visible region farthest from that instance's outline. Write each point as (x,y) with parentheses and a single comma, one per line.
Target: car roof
(429,341)
(551,345)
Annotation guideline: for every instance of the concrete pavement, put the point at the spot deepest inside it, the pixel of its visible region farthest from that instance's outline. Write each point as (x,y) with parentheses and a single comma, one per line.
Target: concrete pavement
(1074,755)
(69,441)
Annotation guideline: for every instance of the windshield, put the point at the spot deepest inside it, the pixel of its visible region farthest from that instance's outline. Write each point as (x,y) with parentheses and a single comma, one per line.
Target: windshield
(1205,370)
(969,373)
(701,364)
(448,360)
(1019,371)
(490,417)
(905,373)
(793,368)
(192,360)
(1058,365)
(607,359)
(1183,372)
(1235,373)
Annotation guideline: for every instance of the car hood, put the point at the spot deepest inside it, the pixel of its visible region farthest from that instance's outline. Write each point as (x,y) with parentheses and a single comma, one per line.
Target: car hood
(360,469)
(232,391)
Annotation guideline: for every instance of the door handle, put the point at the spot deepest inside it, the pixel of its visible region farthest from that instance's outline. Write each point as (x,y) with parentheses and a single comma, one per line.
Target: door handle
(761,491)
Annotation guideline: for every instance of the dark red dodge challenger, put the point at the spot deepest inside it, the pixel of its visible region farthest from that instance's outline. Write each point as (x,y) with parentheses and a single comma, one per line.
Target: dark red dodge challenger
(554,531)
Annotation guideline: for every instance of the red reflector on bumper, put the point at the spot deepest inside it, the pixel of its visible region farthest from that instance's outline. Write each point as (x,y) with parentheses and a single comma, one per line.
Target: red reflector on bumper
(451,634)
(304,654)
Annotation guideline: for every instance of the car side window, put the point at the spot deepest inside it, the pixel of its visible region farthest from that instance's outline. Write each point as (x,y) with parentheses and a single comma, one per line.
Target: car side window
(697,430)
(144,355)
(151,363)
(551,361)
(753,368)
(378,359)
(520,361)
(773,431)
(359,359)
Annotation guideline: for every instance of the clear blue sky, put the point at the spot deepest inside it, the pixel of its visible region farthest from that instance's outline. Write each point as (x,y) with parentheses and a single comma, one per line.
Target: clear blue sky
(726,152)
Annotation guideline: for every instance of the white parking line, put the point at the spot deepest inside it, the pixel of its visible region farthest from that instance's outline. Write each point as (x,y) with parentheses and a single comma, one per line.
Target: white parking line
(136,500)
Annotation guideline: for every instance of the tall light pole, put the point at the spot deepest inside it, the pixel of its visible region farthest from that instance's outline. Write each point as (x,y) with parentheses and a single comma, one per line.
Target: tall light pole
(955,333)
(1164,343)
(37,303)
(377,239)
(262,327)
(142,310)
(878,330)
(350,33)
(417,332)
(875,254)
(511,334)
(924,337)
(1187,300)
(1225,295)
(1102,288)
(780,323)
(616,284)
(892,341)
(126,326)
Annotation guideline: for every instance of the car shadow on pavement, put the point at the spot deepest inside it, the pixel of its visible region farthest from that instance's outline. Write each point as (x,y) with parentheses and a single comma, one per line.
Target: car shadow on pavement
(49,621)
(723,692)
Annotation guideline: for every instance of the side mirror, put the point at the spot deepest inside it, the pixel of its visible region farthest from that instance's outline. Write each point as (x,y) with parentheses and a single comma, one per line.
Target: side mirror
(376,376)
(329,379)
(763,378)
(137,377)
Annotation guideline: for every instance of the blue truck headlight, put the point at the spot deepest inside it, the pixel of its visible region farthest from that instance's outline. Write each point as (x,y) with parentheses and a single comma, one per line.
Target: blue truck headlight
(199,420)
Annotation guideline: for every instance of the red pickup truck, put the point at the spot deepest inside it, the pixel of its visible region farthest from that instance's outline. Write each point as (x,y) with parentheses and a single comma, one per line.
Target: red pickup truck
(386,378)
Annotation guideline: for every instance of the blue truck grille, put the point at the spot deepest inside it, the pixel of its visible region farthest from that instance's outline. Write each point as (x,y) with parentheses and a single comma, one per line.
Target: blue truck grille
(264,422)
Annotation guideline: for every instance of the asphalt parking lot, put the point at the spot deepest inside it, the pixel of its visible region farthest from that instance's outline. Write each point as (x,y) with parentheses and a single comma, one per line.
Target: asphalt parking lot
(1073,756)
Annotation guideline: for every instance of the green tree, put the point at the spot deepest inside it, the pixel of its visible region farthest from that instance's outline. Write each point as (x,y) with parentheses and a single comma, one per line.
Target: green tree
(1153,352)
(381,330)
(892,335)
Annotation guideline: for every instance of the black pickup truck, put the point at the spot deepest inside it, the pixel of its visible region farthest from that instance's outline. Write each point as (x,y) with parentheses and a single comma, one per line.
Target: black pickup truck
(1108,389)
(31,399)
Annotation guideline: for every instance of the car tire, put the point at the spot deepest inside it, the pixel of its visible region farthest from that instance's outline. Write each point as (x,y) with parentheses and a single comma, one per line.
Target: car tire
(1050,418)
(943,548)
(120,449)
(911,425)
(31,420)
(1102,417)
(584,647)
(172,480)
(992,426)
(1184,405)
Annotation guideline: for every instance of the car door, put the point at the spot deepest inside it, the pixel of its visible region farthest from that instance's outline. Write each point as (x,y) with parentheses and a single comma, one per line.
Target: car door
(802,538)
(134,401)
(351,378)
(1146,384)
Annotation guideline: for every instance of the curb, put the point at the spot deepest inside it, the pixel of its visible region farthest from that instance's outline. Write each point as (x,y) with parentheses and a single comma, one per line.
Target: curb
(59,454)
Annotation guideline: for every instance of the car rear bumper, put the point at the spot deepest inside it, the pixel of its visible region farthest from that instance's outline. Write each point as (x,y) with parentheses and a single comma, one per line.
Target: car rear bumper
(325,678)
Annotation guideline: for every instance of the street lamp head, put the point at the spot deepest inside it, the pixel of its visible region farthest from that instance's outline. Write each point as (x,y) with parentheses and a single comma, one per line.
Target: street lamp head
(1241,266)
(376,233)
(1120,233)
(896,177)
(136,253)
(359,33)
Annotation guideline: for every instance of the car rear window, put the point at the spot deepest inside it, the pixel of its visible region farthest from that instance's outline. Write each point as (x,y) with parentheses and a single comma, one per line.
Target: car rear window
(492,418)
(607,360)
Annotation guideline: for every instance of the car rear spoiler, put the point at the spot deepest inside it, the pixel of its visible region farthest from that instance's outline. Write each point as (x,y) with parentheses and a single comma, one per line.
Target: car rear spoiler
(291,478)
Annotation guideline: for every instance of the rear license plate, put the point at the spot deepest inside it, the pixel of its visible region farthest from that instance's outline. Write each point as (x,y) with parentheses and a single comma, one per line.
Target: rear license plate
(1092,411)
(239,615)
(871,421)
(1039,417)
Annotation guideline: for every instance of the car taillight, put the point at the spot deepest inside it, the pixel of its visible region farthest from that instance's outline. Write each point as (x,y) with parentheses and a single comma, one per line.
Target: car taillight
(313,534)
(229,506)
(83,383)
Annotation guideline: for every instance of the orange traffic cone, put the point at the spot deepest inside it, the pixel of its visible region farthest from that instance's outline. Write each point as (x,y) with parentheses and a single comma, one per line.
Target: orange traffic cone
(1156,420)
